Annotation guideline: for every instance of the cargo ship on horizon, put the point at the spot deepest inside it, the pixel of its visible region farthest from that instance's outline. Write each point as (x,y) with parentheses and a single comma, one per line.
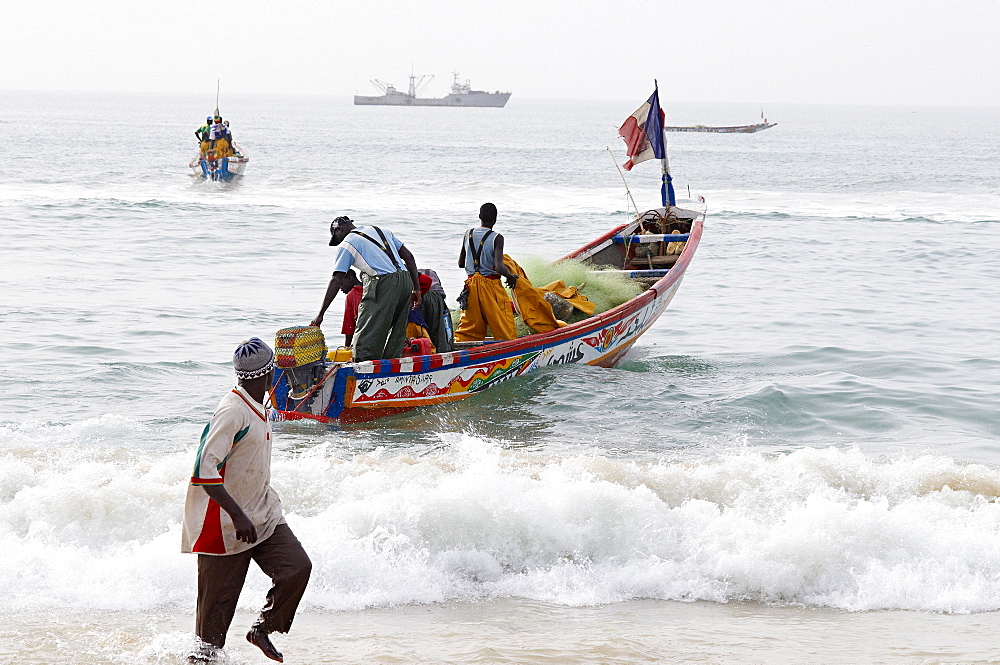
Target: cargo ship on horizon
(462,94)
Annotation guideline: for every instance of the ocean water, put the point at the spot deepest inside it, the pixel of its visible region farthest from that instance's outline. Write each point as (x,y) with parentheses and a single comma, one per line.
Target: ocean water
(808,437)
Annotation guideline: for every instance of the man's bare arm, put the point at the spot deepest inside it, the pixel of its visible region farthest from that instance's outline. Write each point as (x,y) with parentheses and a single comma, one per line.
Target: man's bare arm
(331,292)
(499,266)
(411,267)
(245,530)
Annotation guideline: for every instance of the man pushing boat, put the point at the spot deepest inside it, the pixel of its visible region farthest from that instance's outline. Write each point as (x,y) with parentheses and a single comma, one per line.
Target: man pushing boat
(390,286)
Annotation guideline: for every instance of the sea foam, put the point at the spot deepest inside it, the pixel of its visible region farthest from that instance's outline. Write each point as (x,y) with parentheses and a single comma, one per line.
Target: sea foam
(100,528)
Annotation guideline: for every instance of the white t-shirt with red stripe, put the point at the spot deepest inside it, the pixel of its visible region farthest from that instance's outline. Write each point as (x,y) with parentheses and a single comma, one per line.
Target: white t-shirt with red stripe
(235,452)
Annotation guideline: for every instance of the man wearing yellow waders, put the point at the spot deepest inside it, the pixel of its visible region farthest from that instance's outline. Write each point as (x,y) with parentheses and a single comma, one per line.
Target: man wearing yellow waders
(220,139)
(202,134)
(390,287)
(487,302)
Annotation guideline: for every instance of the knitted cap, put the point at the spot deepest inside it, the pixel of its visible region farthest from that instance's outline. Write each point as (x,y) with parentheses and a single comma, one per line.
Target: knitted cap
(252,358)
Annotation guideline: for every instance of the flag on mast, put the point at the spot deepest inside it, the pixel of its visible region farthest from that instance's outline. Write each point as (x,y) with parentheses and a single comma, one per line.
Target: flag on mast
(643,132)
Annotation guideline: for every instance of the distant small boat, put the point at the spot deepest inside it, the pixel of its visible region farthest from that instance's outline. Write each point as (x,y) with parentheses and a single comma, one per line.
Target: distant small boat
(735,129)
(462,94)
(219,159)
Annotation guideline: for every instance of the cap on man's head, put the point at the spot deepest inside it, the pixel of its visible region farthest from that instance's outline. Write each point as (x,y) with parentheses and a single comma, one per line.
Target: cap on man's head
(336,224)
(252,359)
(208,119)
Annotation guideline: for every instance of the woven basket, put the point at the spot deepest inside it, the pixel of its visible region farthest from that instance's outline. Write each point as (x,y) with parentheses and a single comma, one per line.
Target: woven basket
(295,347)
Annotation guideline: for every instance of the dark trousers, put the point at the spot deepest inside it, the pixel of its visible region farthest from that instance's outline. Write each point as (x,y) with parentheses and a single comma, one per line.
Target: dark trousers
(435,311)
(382,313)
(220,580)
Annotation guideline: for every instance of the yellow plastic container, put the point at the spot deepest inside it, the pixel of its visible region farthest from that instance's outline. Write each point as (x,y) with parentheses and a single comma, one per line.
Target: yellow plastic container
(340,355)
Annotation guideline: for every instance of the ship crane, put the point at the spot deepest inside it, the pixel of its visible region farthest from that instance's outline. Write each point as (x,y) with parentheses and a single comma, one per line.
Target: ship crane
(385,88)
(417,86)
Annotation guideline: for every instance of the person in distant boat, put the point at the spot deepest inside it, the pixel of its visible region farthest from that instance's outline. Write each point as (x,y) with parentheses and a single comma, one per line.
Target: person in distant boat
(351,286)
(435,310)
(233,516)
(390,286)
(219,139)
(487,303)
(232,141)
(202,134)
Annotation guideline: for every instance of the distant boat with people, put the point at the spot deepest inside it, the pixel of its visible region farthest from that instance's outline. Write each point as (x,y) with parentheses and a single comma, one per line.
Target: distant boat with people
(218,158)
(461,94)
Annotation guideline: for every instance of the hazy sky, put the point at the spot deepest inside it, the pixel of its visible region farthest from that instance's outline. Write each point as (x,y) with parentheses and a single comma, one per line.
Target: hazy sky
(758,51)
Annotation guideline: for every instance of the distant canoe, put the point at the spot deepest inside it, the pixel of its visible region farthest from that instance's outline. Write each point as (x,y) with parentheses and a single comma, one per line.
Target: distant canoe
(737,129)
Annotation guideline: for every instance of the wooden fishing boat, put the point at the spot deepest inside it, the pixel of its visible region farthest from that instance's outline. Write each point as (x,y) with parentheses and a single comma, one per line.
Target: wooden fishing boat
(356,392)
(734,129)
(224,165)
(655,249)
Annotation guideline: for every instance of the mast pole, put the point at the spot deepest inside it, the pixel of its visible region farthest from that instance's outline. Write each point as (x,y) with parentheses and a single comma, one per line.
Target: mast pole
(666,181)
(628,192)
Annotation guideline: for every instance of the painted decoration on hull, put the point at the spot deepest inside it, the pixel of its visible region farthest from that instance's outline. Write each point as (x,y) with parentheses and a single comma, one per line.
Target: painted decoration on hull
(374,391)
(629,328)
(429,387)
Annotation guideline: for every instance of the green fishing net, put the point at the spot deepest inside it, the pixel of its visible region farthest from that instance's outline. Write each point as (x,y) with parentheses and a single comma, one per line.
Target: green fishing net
(606,290)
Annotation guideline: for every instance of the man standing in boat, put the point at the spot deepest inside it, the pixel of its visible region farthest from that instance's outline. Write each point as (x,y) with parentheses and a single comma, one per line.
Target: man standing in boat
(487,302)
(202,134)
(435,310)
(219,138)
(390,287)
(233,516)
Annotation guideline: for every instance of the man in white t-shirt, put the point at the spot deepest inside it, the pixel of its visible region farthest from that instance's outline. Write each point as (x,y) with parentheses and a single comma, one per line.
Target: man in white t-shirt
(233,516)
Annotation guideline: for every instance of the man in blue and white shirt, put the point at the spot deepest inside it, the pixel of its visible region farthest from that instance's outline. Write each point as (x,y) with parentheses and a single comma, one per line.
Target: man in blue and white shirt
(390,284)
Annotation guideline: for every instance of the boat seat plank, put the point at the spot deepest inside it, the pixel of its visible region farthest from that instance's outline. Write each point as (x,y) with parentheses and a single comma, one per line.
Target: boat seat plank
(653,262)
(651,237)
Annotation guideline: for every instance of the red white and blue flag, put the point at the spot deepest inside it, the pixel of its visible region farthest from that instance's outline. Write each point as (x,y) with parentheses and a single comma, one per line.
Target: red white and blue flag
(643,132)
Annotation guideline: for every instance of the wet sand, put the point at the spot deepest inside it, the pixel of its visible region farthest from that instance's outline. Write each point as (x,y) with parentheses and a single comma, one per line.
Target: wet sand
(517,631)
